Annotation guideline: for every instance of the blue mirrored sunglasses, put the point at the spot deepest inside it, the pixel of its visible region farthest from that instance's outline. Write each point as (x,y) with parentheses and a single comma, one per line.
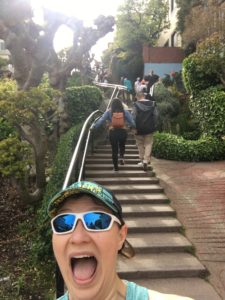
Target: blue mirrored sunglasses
(92,221)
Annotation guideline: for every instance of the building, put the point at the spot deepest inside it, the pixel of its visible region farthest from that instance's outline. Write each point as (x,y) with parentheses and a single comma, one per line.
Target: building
(170,37)
(167,57)
(4,53)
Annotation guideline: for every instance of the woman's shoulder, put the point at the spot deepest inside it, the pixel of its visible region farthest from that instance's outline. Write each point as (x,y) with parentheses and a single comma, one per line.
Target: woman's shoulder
(153,295)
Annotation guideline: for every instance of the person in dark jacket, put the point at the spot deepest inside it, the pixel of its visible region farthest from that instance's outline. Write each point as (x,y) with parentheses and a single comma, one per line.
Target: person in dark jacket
(144,114)
(117,136)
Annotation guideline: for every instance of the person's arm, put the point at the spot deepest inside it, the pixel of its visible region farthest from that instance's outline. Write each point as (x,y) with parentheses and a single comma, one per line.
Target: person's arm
(129,119)
(104,117)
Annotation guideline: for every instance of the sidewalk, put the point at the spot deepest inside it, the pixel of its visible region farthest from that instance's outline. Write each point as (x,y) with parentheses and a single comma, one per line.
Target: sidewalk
(197,193)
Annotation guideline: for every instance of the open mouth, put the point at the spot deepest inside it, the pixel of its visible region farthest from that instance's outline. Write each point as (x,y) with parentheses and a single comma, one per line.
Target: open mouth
(83,268)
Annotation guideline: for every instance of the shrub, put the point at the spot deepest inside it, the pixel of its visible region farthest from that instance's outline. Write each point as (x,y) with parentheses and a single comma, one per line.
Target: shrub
(6,129)
(168,106)
(194,77)
(172,147)
(14,157)
(205,67)
(81,101)
(209,109)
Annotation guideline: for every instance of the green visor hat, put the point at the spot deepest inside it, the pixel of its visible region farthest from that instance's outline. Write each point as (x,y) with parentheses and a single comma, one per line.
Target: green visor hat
(91,188)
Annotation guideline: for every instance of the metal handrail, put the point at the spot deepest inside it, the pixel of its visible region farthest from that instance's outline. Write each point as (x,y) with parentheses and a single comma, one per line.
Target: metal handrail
(77,149)
(116,89)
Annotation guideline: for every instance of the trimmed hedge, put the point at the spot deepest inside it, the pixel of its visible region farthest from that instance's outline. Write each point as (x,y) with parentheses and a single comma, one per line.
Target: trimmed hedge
(81,102)
(209,109)
(172,147)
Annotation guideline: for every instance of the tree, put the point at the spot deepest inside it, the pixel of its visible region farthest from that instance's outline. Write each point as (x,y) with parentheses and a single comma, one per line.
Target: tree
(192,16)
(138,22)
(31,44)
(24,152)
(29,107)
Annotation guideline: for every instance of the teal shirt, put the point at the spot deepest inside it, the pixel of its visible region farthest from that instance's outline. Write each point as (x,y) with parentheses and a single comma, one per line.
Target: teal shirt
(134,292)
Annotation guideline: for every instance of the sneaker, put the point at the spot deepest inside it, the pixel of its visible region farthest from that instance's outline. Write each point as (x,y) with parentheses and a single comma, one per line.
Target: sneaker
(122,162)
(140,163)
(145,167)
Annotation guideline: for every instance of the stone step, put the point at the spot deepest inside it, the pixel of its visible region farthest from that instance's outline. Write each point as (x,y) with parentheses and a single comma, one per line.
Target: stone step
(135,188)
(109,155)
(108,150)
(110,167)
(148,210)
(152,224)
(156,198)
(161,265)
(108,160)
(108,146)
(159,242)
(129,141)
(126,180)
(120,174)
(195,288)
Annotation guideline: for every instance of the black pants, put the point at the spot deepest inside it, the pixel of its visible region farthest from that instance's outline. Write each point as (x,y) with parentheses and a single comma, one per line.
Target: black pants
(117,139)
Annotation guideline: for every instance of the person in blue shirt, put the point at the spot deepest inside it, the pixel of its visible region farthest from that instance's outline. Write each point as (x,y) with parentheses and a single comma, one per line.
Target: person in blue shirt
(88,233)
(117,136)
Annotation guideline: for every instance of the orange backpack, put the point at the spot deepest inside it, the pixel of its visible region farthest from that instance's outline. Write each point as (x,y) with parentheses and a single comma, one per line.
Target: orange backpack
(118,120)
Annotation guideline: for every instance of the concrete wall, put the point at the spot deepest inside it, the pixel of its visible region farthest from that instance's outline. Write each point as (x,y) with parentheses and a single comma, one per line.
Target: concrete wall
(162,69)
(162,60)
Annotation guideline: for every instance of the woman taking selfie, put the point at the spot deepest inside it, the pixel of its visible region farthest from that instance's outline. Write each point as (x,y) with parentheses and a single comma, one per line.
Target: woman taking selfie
(88,233)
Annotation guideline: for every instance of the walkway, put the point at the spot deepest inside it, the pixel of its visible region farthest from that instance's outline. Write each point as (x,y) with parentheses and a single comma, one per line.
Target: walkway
(197,193)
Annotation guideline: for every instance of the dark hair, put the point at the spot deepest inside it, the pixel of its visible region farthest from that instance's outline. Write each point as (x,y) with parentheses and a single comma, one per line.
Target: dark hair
(117,105)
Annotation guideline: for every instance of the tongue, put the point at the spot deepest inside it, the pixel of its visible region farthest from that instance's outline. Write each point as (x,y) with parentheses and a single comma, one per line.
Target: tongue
(84,268)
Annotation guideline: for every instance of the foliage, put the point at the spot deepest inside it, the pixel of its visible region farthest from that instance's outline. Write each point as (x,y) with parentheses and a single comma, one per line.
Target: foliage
(185,125)
(14,157)
(145,19)
(138,22)
(196,28)
(3,62)
(30,115)
(81,101)
(168,106)
(184,8)
(209,108)
(174,80)
(74,80)
(5,129)
(25,107)
(172,147)
(205,67)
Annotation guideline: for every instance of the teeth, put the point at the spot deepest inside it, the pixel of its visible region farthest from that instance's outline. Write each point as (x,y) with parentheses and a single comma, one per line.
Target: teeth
(82,256)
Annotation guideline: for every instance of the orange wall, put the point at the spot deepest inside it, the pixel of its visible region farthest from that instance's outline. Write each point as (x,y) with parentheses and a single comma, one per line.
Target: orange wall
(162,54)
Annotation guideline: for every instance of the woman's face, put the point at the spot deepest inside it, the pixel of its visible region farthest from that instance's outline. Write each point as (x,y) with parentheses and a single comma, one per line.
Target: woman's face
(86,259)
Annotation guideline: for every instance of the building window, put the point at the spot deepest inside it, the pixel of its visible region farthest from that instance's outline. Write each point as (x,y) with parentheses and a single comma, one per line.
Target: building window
(2,45)
(171,5)
(173,39)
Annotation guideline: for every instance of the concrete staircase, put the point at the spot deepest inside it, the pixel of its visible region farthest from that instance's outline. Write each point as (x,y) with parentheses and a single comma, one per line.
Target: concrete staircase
(164,258)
